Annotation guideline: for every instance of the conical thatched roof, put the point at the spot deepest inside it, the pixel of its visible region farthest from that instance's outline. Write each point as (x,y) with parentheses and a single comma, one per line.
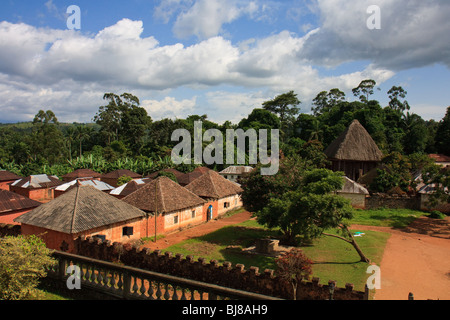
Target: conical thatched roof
(81,209)
(213,185)
(163,195)
(354,144)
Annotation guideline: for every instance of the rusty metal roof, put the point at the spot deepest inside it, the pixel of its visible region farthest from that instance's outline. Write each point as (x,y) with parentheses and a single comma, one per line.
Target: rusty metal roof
(8,176)
(10,201)
(37,182)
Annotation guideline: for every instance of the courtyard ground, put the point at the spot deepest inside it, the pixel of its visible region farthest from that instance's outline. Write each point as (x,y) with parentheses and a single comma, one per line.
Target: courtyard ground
(416,259)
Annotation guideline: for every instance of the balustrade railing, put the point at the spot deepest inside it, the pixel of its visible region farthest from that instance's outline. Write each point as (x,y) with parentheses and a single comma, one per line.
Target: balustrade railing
(129,283)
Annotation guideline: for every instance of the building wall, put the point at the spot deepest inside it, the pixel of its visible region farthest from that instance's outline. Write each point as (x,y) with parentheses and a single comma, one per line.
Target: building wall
(113,233)
(41,195)
(358,201)
(228,204)
(8,217)
(4,185)
(183,218)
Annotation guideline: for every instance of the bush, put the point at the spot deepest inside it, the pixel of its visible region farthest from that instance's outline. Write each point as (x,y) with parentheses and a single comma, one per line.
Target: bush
(23,261)
(293,267)
(437,215)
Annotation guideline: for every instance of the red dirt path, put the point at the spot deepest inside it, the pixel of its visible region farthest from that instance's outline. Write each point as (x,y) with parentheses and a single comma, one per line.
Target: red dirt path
(416,259)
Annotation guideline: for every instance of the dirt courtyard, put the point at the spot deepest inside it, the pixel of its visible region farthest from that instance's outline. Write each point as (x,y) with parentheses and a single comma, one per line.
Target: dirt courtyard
(416,259)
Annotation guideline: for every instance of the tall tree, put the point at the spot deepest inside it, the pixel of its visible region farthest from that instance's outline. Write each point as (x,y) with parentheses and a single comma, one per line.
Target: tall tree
(364,90)
(395,96)
(285,105)
(443,135)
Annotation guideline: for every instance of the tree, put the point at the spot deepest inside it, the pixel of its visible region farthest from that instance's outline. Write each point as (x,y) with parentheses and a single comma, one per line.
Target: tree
(364,90)
(293,267)
(311,209)
(395,93)
(443,135)
(285,105)
(23,261)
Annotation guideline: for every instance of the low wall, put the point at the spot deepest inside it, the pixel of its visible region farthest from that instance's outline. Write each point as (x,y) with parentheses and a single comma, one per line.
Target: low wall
(376,201)
(226,275)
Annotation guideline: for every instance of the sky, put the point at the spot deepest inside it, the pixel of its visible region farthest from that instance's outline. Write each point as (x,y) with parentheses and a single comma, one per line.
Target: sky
(222,58)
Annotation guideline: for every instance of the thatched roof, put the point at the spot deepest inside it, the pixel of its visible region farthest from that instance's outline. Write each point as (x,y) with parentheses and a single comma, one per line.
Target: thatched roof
(10,201)
(81,209)
(213,185)
(82,173)
(354,144)
(120,173)
(8,176)
(163,195)
(40,181)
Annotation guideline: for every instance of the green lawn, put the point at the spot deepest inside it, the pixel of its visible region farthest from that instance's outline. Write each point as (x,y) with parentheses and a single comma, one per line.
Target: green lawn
(397,218)
(334,259)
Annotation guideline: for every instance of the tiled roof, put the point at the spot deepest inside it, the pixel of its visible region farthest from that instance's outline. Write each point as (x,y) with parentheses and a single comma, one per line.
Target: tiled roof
(10,201)
(37,182)
(82,173)
(163,195)
(179,175)
(439,157)
(8,176)
(81,209)
(213,185)
(120,173)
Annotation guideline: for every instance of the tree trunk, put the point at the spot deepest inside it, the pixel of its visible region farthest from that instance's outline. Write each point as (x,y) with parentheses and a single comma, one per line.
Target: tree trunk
(352,242)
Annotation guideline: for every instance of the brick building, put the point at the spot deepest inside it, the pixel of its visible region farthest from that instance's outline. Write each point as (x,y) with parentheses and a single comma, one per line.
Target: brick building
(6,178)
(13,205)
(36,187)
(83,211)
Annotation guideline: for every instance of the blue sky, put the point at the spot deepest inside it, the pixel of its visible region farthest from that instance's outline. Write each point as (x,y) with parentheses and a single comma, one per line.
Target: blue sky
(220,58)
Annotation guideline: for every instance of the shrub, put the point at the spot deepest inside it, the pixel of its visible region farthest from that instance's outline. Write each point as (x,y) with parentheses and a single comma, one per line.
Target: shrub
(293,267)
(437,215)
(23,261)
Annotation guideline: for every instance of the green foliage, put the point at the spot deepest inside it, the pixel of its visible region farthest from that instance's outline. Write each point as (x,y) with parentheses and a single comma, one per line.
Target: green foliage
(443,135)
(123,180)
(23,260)
(437,215)
(309,209)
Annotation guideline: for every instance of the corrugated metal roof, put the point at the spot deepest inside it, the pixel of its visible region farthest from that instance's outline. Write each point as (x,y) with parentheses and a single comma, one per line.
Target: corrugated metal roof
(10,201)
(37,182)
(100,185)
(8,176)
(236,170)
(351,186)
(129,187)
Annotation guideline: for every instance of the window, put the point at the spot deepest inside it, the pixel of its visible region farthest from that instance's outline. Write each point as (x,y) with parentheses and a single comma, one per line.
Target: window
(175,220)
(226,204)
(127,231)
(193,214)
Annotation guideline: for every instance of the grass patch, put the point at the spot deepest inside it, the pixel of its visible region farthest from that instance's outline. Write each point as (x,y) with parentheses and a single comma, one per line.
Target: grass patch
(397,218)
(335,259)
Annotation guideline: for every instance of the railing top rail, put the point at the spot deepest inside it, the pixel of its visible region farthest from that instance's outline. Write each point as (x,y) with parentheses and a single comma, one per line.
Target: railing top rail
(166,278)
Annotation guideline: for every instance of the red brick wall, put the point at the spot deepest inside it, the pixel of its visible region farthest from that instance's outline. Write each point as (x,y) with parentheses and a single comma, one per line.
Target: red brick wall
(41,195)
(4,185)
(8,217)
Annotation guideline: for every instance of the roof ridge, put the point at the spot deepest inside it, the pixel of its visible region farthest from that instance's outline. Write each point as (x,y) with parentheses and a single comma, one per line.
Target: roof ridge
(75,209)
(209,173)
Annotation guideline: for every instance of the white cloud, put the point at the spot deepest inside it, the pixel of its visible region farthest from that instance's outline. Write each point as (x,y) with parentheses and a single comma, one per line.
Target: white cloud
(169,107)
(412,33)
